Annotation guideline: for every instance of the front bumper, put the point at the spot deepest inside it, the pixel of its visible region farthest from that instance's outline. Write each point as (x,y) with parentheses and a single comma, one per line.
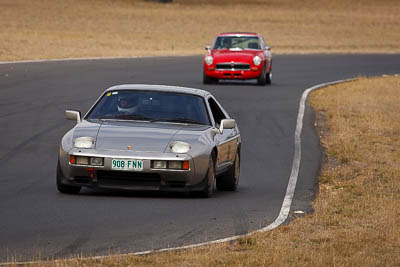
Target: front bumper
(147,179)
(253,73)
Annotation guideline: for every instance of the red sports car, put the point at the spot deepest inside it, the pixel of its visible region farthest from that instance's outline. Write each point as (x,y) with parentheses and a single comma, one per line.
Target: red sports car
(238,56)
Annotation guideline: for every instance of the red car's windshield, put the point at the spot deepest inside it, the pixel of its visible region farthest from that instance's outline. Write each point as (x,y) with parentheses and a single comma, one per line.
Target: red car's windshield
(237,42)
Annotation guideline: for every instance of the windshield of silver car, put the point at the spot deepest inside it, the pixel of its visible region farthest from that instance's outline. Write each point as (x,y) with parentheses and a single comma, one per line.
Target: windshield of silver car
(237,42)
(151,106)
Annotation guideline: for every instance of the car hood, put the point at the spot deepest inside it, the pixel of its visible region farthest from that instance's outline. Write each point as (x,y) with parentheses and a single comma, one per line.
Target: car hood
(140,136)
(149,137)
(236,56)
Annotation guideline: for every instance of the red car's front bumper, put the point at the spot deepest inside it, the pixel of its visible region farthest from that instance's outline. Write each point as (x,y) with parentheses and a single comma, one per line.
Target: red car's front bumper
(253,73)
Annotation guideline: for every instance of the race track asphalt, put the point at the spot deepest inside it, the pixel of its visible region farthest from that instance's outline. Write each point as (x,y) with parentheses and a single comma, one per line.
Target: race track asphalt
(38,222)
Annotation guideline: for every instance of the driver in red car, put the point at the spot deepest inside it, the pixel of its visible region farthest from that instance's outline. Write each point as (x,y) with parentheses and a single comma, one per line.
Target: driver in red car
(227,43)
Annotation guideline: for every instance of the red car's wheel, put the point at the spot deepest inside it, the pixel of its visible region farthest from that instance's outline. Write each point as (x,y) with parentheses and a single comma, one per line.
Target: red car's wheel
(269,77)
(209,80)
(262,79)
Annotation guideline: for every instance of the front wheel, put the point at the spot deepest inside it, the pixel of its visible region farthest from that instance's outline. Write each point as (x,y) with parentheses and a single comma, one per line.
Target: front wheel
(63,188)
(230,180)
(209,80)
(269,77)
(210,179)
(262,79)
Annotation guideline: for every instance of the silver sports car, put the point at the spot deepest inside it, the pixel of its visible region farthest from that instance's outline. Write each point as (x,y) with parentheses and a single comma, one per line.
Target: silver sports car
(151,137)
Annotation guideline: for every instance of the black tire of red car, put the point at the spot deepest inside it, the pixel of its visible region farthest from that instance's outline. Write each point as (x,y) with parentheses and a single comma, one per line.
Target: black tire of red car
(230,180)
(268,78)
(210,179)
(63,188)
(262,79)
(269,74)
(208,80)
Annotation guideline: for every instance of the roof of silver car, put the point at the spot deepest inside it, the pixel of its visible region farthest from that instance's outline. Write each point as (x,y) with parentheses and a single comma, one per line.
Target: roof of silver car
(160,88)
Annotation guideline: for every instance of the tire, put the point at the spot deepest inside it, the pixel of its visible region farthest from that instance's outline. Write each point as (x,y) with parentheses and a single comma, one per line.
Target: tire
(210,178)
(230,180)
(206,79)
(262,79)
(209,80)
(269,78)
(63,188)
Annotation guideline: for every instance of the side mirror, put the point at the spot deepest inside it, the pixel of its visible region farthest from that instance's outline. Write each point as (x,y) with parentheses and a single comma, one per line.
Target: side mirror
(208,48)
(227,124)
(73,115)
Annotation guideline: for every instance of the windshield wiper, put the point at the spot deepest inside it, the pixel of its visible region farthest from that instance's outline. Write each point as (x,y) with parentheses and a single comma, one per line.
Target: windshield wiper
(106,117)
(133,117)
(126,117)
(178,120)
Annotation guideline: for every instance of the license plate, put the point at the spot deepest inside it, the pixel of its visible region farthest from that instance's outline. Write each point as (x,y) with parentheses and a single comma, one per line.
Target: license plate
(127,164)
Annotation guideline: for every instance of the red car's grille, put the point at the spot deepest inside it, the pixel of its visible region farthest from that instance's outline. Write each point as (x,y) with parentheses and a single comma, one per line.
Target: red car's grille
(232,66)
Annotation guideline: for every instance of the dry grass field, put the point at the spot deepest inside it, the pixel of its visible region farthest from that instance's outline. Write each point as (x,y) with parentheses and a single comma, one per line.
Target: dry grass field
(108,28)
(356,219)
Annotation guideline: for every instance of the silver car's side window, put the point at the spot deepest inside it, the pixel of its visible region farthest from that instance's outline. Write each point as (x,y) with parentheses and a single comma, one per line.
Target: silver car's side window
(217,113)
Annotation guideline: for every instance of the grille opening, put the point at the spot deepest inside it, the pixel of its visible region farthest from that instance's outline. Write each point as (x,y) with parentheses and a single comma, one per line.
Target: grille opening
(127,178)
(234,66)
(82,179)
(176,184)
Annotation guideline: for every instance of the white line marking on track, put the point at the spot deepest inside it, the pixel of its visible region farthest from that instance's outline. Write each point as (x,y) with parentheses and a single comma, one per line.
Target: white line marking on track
(287,202)
(63,59)
(86,59)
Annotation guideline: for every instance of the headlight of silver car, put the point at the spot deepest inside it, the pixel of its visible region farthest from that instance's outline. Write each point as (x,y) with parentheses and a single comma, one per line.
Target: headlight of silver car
(256,60)
(179,147)
(209,60)
(84,142)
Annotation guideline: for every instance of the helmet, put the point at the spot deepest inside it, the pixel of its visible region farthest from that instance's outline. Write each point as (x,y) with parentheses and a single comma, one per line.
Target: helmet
(227,42)
(127,102)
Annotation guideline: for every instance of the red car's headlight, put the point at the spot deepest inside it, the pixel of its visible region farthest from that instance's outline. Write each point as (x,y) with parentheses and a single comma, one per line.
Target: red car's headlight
(256,60)
(209,60)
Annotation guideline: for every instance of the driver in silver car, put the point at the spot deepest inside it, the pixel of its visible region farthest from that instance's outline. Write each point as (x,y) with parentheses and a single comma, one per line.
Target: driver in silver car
(127,103)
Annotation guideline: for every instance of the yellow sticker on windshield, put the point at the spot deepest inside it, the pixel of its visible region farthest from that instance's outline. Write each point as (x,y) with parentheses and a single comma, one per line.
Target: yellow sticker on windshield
(109,93)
